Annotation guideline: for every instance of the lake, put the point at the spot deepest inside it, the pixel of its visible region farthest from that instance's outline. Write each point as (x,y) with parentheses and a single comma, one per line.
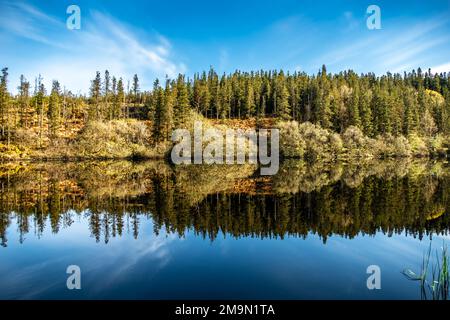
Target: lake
(147,230)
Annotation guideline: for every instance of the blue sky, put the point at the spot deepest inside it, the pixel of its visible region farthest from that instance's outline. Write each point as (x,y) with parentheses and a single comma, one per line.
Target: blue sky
(155,38)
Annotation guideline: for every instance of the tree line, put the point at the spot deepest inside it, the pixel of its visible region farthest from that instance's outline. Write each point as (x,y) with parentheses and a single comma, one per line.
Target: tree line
(393,103)
(415,102)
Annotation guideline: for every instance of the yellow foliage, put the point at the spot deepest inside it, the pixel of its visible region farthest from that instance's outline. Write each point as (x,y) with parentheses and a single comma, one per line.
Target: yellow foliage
(435,97)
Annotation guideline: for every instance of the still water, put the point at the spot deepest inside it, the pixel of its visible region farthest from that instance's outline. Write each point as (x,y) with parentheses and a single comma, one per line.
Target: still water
(150,231)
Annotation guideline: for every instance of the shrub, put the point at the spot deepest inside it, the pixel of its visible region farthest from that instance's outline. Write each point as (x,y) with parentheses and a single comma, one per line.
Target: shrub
(418,146)
(353,137)
(26,137)
(113,139)
(292,144)
(402,147)
(11,151)
(316,141)
(336,144)
(378,147)
(438,145)
(355,143)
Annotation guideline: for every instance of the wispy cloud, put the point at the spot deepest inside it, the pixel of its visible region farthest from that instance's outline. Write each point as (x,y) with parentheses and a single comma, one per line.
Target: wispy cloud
(72,56)
(26,21)
(351,22)
(396,48)
(445,67)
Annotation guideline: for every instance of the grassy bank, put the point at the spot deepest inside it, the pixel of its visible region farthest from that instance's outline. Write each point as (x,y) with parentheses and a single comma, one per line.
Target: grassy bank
(116,139)
(133,139)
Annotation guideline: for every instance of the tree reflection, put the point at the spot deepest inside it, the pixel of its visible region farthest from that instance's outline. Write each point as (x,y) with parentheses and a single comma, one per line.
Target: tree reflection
(325,199)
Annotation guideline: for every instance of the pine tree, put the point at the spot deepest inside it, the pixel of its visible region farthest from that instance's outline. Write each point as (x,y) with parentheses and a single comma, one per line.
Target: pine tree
(24,100)
(114,110)
(381,111)
(182,101)
(54,109)
(265,97)
(322,103)
(436,83)
(283,108)
(353,108)
(249,100)
(96,85)
(365,112)
(235,96)
(196,93)
(396,112)
(411,112)
(167,114)
(446,113)
(135,90)
(213,86)
(106,92)
(120,98)
(225,98)
(205,96)
(40,106)
(4,101)
(293,96)
(158,121)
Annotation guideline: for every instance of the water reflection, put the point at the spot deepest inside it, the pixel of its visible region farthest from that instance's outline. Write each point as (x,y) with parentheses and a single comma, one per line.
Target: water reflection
(323,199)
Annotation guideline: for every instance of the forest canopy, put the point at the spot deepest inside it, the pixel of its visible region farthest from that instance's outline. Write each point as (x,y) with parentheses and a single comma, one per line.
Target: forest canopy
(415,105)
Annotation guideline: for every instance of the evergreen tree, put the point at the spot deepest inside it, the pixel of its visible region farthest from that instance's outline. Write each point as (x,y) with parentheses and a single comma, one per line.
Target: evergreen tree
(249,101)
(120,98)
(353,107)
(24,100)
(135,89)
(106,92)
(54,109)
(225,96)
(213,85)
(40,107)
(284,109)
(322,101)
(182,101)
(411,116)
(158,117)
(204,96)
(396,112)
(114,112)
(365,112)
(167,114)
(96,85)
(196,93)
(4,101)
(381,111)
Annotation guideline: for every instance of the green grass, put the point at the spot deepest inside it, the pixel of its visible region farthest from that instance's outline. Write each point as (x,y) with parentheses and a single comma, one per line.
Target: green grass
(434,277)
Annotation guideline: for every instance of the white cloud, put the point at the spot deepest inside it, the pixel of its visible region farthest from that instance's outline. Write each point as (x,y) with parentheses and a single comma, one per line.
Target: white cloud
(396,49)
(26,21)
(441,68)
(73,56)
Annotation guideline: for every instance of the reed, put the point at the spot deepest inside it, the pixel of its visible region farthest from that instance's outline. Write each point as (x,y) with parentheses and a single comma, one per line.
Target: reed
(434,277)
